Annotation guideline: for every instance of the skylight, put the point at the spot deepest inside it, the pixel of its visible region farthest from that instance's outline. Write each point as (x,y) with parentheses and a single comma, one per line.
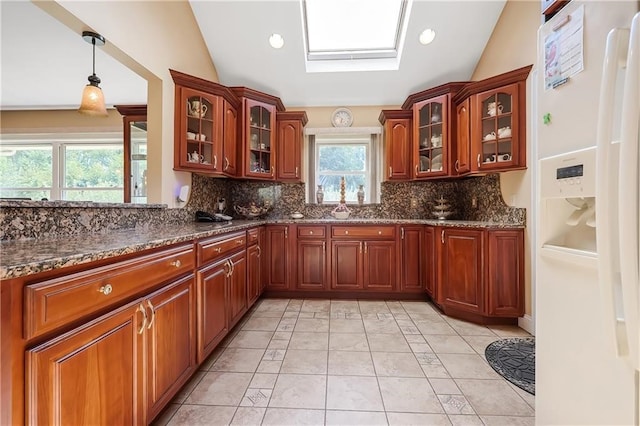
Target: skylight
(341,34)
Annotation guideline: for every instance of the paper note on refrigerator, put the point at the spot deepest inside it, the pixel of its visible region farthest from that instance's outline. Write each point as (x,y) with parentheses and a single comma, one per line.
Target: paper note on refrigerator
(564,50)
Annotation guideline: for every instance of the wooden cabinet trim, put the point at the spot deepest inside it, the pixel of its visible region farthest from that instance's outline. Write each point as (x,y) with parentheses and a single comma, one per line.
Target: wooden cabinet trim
(310,231)
(53,303)
(372,232)
(216,247)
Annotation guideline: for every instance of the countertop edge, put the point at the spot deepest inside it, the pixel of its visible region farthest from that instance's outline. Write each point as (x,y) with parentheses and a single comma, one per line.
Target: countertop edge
(155,237)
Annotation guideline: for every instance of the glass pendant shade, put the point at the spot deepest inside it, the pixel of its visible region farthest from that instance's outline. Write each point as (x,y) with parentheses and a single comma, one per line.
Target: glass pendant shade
(92,97)
(93,101)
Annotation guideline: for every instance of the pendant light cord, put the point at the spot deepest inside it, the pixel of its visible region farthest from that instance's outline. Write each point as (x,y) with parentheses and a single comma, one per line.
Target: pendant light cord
(93,41)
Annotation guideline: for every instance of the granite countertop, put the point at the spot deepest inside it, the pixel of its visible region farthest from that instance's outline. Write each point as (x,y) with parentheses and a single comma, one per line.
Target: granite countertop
(25,257)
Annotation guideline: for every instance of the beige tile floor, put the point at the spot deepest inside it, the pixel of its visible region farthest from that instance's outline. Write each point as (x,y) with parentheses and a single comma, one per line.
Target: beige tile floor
(315,362)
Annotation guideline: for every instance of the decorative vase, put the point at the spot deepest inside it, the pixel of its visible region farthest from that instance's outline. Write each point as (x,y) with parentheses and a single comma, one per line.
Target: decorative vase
(361,194)
(319,195)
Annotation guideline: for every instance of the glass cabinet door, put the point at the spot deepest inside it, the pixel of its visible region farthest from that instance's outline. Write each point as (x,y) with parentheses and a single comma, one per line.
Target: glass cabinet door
(200,111)
(260,141)
(431,136)
(497,140)
(138,176)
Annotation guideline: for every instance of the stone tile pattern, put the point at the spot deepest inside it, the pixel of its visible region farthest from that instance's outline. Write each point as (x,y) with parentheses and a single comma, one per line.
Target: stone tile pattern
(285,199)
(351,362)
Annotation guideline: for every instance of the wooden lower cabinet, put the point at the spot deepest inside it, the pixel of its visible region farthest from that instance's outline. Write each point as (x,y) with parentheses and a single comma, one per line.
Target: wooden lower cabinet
(412,259)
(346,265)
(254,279)
(379,261)
(358,265)
(481,272)
(505,276)
(277,265)
(461,281)
(212,307)
(171,349)
(222,296)
(311,265)
(237,288)
(91,375)
(98,373)
(429,264)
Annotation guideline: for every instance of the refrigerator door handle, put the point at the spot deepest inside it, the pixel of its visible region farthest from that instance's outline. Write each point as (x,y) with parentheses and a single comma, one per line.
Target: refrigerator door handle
(606,191)
(629,192)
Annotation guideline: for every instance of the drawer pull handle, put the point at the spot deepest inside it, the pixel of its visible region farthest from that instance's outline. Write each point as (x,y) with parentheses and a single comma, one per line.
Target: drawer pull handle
(226,163)
(106,289)
(402,233)
(478,159)
(239,242)
(153,314)
(215,162)
(259,251)
(228,265)
(218,249)
(457,166)
(442,236)
(365,247)
(176,263)
(144,318)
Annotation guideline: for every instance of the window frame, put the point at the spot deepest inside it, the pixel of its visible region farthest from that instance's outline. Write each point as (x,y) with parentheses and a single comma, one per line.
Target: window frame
(58,143)
(352,136)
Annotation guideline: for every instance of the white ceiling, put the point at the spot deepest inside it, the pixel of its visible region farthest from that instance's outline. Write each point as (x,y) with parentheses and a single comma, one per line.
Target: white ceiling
(45,64)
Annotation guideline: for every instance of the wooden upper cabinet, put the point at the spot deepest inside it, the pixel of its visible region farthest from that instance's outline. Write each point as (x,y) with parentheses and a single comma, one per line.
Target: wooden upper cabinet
(431,136)
(230,144)
(257,136)
(398,150)
(462,146)
(498,122)
(290,137)
(204,126)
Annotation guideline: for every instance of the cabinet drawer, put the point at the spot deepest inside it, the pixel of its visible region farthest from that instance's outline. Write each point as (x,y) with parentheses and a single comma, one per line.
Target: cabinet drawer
(56,302)
(252,236)
(213,248)
(364,231)
(311,231)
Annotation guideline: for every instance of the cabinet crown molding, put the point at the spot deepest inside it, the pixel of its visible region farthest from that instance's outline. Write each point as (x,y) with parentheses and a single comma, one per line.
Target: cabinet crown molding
(499,80)
(205,85)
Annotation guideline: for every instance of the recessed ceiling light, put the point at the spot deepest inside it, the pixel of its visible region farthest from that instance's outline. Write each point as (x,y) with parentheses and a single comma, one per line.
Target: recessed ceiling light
(276,41)
(427,36)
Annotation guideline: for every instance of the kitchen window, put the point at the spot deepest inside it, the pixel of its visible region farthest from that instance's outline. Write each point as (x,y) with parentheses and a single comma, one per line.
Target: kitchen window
(55,168)
(353,157)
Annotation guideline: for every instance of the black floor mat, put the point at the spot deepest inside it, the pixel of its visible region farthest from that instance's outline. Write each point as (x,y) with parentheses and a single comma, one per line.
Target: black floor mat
(515,360)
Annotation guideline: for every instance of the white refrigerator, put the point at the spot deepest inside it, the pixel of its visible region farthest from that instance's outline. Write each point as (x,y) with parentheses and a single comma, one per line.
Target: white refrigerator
(587,298)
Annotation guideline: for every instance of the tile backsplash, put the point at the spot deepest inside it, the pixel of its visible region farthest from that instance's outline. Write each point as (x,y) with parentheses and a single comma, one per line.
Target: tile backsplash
(27,220)
(396,199)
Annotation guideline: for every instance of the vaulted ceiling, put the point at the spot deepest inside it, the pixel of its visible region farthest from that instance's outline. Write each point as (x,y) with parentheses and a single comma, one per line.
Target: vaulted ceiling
(44,63)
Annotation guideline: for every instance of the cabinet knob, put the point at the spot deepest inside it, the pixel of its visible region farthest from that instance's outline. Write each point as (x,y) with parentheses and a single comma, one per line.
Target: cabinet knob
(218,249)
(176,263)
(379,232)
(310,232)
(106,289)
(239,242)
(346,232)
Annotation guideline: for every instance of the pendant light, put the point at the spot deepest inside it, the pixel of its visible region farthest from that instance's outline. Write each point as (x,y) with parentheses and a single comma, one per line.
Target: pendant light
(92,96)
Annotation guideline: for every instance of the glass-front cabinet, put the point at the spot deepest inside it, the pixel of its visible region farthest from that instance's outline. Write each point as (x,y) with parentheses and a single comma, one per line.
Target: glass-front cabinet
(495,129)
(431,138)
(260,159)
(258,133)
(201,138)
